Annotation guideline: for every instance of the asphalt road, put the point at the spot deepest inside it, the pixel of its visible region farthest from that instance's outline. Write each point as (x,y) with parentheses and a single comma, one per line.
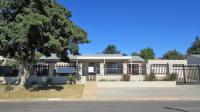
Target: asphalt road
(102,106)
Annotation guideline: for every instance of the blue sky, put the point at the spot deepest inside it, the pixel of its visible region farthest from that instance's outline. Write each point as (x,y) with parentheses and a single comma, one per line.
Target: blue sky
(135,24)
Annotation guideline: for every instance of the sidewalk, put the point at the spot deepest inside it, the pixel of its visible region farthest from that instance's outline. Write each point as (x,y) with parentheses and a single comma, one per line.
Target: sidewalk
(90,89)
(92,93)
(184,92)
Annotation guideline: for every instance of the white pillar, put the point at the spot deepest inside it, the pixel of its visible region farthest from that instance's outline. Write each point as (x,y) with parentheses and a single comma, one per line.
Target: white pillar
(102,68)
(170,68)
(80,69)
(51,69)
(148,69)
(139,68)
(125,68)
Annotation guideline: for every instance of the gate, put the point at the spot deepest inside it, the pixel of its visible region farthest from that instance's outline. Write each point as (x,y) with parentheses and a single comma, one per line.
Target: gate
(187,74)
(91,77)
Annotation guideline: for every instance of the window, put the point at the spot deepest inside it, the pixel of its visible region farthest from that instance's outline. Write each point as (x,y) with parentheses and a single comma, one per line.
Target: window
(114,68)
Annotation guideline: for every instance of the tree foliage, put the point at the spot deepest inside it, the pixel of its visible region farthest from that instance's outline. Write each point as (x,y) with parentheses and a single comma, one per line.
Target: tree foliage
(135,54)
(173,55)
(147,53)
(195,47)
(27,26)
(111,49)
(43,26)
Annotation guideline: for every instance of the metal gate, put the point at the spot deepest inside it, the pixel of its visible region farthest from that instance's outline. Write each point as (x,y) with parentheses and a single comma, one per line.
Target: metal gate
(187,74)
(91,77)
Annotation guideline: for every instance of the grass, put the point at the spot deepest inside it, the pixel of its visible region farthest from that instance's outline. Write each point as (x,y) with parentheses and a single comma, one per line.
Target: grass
(67,91)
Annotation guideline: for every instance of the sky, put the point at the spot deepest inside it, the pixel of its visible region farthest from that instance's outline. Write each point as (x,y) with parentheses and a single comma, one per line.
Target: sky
(132,25)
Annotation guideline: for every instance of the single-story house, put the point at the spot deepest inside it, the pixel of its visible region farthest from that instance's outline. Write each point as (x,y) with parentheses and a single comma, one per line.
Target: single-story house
(193,59)
(97,66)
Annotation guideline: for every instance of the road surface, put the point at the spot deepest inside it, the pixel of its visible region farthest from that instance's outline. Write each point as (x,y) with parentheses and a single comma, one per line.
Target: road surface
(102,106)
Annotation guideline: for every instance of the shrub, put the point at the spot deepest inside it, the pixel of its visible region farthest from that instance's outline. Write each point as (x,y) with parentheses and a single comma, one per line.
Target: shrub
(72,79)
(125,77)
(170,77)
(8,87)
(150,77)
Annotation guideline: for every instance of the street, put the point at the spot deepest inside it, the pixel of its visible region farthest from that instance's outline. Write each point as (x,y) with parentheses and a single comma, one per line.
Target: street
(101,106)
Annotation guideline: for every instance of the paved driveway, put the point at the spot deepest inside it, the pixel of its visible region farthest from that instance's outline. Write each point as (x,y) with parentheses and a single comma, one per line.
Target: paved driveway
(183,91)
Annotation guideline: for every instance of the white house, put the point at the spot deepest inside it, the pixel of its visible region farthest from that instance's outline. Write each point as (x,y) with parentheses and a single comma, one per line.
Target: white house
(97,66)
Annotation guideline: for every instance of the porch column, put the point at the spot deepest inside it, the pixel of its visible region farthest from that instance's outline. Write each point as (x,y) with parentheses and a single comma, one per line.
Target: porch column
(125,68)
(139,68)
(102,68)
(80,69)
(148,69)
(51,69)
(170,68)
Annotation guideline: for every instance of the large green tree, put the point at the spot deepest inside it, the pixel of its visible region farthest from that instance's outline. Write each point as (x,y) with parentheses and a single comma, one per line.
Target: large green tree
(111,49)
(147,53)
(195,47)
(173,55)
(44,26)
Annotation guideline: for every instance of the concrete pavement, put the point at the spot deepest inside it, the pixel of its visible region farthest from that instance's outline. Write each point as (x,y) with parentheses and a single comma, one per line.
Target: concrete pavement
(102,106)
(179,92)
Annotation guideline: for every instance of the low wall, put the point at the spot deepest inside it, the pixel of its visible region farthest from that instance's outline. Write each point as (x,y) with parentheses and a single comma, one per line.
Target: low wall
(56,79)
(109,77)
(122,84)
(8,80)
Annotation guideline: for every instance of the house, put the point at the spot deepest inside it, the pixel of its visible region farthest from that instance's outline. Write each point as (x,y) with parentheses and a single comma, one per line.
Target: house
(193,59)
(95,66)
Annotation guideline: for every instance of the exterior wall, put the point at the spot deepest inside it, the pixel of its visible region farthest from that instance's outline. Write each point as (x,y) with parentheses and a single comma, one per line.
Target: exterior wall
(193,60)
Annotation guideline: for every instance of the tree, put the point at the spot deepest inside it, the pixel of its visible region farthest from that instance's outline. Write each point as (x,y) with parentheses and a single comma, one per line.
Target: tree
(195,47)
(44,26)
(147,53)
(135,54)
(111,49)
(173,55)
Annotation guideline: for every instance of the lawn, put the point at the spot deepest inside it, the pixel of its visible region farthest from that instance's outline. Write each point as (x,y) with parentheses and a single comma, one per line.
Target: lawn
(64,91)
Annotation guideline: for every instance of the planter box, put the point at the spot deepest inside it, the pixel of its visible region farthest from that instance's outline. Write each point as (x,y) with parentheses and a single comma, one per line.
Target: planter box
(122,84)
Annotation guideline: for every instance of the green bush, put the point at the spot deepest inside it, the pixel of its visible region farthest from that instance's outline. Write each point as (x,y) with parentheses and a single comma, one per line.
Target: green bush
(125,77)
(170,77)
(150,77)
(71,79)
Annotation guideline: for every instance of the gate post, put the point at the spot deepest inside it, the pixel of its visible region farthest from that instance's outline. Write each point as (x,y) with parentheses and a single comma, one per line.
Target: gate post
(184,76)
(199,72)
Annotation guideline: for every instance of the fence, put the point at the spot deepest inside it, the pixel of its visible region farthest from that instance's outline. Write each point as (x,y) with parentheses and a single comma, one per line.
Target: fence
(65,69)
(8,71)
(187,74)
(40,70)
(159,69)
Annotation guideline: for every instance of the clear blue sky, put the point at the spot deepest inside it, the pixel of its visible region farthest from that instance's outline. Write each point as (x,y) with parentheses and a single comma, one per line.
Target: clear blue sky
(135,24)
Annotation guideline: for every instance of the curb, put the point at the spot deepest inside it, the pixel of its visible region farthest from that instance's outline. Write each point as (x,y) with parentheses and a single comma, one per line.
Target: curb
(101,99)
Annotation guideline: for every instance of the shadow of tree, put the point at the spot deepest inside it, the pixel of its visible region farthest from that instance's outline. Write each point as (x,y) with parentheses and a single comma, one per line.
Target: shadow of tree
(46,87)
(181,110)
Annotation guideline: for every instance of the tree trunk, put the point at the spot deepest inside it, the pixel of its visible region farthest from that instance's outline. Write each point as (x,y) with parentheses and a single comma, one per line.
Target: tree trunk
(25,70)
(21,74)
